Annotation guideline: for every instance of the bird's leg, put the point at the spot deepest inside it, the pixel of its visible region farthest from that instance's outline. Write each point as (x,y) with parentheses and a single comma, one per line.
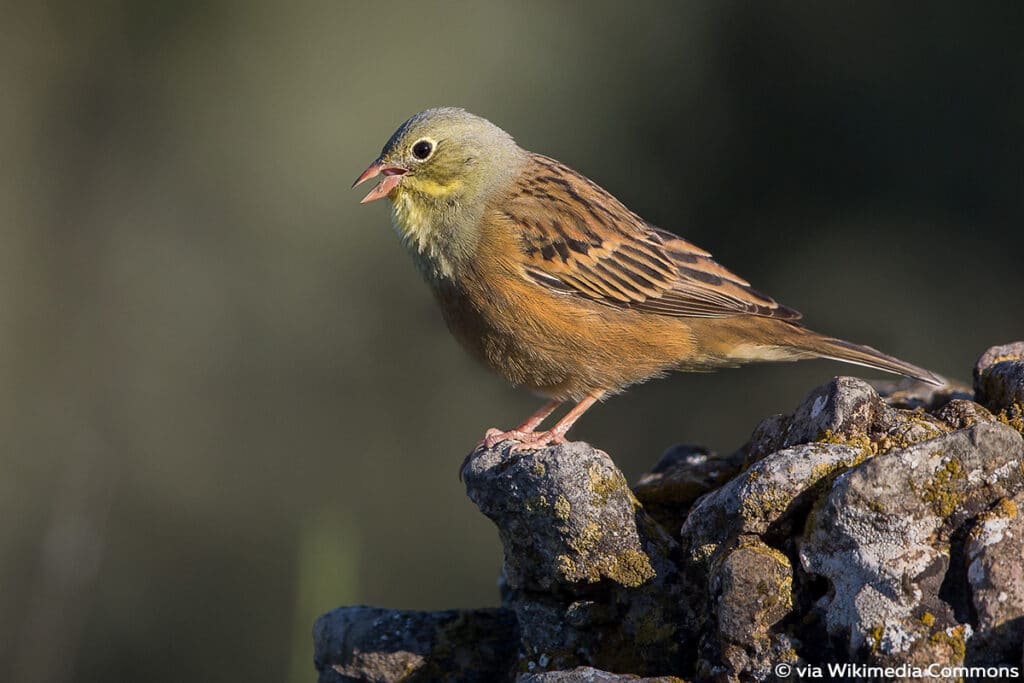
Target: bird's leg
(495,436)
(557,433)
(523,431)
(528,438)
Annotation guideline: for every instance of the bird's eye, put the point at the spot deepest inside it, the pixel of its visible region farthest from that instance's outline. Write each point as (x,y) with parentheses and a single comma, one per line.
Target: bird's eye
(422,149)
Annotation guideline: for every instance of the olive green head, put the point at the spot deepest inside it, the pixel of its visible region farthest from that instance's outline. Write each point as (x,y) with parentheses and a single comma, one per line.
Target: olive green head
(444,155)
(440,170)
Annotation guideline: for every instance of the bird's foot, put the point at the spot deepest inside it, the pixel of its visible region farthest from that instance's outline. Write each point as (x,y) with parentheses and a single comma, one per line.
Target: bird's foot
(494,436)
(524,441)
(535,440)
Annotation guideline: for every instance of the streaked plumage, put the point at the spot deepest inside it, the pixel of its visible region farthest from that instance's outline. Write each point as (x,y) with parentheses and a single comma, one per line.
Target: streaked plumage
(557,286)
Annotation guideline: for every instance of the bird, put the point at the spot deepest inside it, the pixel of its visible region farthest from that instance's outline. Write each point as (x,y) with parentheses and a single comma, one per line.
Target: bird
(557,286)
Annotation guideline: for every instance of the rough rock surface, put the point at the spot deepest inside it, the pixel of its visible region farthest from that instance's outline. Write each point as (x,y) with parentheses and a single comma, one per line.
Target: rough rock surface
(380,645)
(879,528)
(999,382)
(590,575)
(588,674)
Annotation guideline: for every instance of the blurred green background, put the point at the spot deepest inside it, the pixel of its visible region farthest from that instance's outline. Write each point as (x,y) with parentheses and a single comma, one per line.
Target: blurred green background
(228,402)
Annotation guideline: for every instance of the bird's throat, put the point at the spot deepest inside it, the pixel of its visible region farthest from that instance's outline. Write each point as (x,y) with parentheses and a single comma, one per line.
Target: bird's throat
(434,236)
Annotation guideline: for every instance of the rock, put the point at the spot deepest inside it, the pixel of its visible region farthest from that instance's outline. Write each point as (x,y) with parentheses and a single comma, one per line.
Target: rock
(913,395)
(869,528)
(846,406)
(565,515)
(845,411)
(586,674)
(883,537)
(999,382)
(751,591)
(767,496)
(960,414)
(682,475)
(375,645)
(995,573)
(591,577)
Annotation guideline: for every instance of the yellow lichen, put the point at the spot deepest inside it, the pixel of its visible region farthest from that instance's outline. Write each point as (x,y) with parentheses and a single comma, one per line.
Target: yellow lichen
(860,441)
(875,638)
(562,508)
(941,491)
(767,503)
(1013,416)
(630,568)
(928,619)
(604,485)
(536,504)
(587,538)
(1004,508)
(704,552)
(755,544)
(954,638)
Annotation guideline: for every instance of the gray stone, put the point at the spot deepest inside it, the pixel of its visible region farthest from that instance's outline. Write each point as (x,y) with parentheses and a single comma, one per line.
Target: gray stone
(960,414)
(843,406)
(682,475)
(995,572)
(376,645)
(999,381)
(871,528)
(565,515)
(589,574)
(751,592)
(586,674)
(768,494)
(847,410)
(882,538)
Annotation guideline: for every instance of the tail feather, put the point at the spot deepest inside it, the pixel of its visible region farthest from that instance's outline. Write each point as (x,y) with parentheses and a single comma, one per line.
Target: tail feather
(847,352)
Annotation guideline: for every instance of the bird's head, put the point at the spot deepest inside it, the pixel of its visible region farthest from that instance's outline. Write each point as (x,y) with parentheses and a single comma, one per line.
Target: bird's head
(442,157)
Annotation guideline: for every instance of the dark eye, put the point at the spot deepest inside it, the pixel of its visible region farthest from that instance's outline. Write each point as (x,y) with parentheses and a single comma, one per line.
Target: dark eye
(422,149)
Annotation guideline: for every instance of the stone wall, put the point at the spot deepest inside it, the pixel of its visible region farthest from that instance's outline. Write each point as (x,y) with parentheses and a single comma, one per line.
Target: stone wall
(875,525)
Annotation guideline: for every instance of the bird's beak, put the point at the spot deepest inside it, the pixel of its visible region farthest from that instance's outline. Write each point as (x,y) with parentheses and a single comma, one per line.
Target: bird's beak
(392,176)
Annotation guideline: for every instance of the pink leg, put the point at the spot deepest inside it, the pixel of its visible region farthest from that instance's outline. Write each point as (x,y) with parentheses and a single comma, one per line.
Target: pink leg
(557,433)
(523,431)
(528,438)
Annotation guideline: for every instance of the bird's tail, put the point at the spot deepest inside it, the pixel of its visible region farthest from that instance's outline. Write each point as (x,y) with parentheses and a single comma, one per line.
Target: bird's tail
(847,352)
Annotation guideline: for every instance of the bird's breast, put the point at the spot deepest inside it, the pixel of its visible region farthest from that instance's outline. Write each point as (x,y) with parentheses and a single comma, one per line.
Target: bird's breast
(422,232)
(556,344)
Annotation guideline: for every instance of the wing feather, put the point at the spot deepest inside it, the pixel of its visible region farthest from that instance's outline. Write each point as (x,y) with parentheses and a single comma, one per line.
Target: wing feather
(577,239)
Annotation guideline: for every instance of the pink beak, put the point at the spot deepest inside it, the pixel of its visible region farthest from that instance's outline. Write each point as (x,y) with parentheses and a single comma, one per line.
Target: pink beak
(392,176)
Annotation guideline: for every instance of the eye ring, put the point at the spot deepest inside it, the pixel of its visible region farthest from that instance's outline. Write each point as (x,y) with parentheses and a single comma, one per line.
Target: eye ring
(422,149)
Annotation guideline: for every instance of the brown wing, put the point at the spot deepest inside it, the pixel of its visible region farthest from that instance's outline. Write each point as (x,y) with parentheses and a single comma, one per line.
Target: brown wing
(580,240)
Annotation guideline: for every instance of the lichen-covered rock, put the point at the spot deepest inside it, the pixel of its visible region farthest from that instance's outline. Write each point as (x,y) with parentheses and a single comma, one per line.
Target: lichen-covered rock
(751,592)
(883,537)
(995,572)
(586,674)
(960,414)
(682,475)
(770,493)
(999,382)
(848,411)
(845,406)
(375,645)
(591,576)
(870,527)
(565,515)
